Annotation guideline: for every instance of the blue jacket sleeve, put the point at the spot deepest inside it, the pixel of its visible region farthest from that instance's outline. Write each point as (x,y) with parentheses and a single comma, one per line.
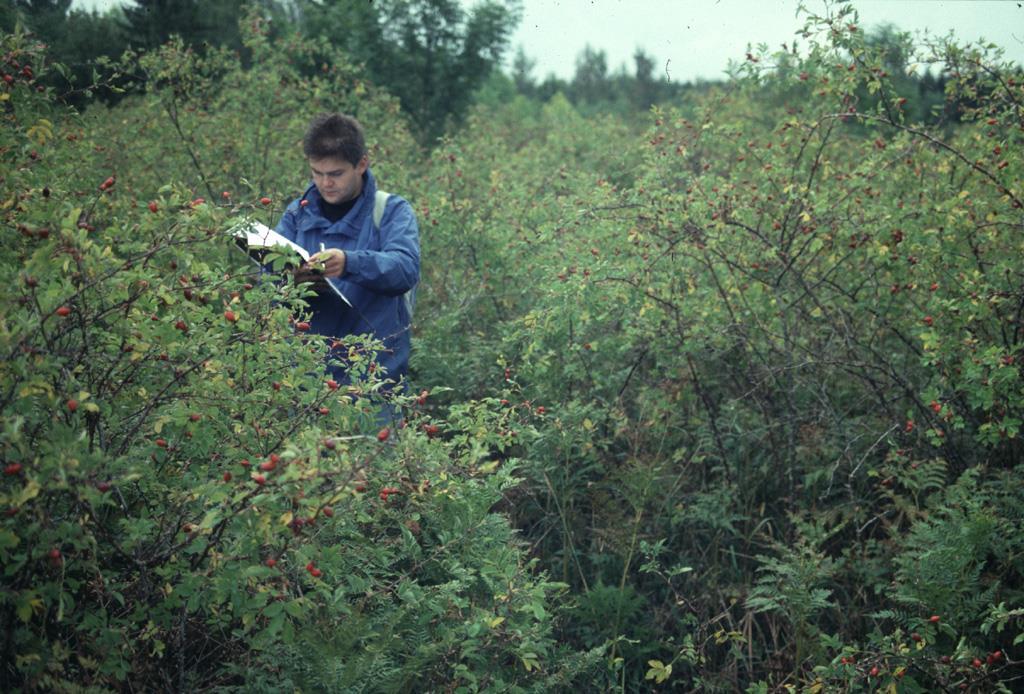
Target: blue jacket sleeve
(286,226)
(395,268)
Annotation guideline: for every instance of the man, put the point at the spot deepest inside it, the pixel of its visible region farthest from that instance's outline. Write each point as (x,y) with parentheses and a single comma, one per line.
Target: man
(375,266)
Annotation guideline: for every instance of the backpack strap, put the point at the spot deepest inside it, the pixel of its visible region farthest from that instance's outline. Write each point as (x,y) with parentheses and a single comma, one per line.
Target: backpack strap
(380,201)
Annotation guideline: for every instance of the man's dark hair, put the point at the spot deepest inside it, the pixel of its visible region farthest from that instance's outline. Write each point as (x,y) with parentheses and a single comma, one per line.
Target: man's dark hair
(334,135)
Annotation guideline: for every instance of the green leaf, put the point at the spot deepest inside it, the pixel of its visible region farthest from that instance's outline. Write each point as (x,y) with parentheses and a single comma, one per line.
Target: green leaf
(8,539)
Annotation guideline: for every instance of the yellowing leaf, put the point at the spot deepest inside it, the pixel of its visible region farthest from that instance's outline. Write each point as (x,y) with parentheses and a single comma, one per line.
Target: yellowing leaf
(27,605)
(41,131)
(28,492)
(659,672)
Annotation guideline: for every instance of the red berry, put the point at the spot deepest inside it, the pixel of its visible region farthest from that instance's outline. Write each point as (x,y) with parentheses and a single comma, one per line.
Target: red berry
(927,320)
(198,201)
(874,671)
(153,207)
(161,443)
(259,479)
(12,469)
(316,573)
(328,511)
(302,326)
(227,476)
(916,637)
(383,434)
(324,411)
(55,554)
(431,430)
(72,405)
(976,662)
(268,466)
(104,487)
(230,316)
(275,385)
(226,195)
(541,410)
(332,384)
(182,326)
(64,311)
(265,200)
(245,462)
(934,619)
(271,562)
(310,566)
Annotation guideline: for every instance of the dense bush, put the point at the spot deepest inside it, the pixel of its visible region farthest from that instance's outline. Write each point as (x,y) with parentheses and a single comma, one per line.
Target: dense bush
(189,503)
(777,344)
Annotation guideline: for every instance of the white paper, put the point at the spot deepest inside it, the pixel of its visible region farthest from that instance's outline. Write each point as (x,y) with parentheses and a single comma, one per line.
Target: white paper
(258,235)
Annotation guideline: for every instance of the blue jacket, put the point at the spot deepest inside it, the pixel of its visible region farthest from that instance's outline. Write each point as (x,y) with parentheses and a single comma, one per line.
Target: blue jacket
(380,267)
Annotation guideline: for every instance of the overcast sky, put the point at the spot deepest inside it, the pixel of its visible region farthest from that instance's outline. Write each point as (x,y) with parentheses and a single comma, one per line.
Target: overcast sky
(695,39)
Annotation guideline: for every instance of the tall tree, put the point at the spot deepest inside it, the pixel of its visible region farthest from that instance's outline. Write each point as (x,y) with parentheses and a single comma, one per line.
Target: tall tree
(439,54)
(354,26)
(522,67)
(199,22)
(646,90)
(590,83)
(75,38)
(43,17)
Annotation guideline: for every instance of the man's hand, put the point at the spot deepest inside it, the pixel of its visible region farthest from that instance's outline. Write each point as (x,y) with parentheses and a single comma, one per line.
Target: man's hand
(314,277)
(330,262)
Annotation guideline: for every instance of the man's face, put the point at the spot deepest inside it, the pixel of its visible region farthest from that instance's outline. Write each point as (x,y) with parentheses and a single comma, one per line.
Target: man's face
(336,179)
